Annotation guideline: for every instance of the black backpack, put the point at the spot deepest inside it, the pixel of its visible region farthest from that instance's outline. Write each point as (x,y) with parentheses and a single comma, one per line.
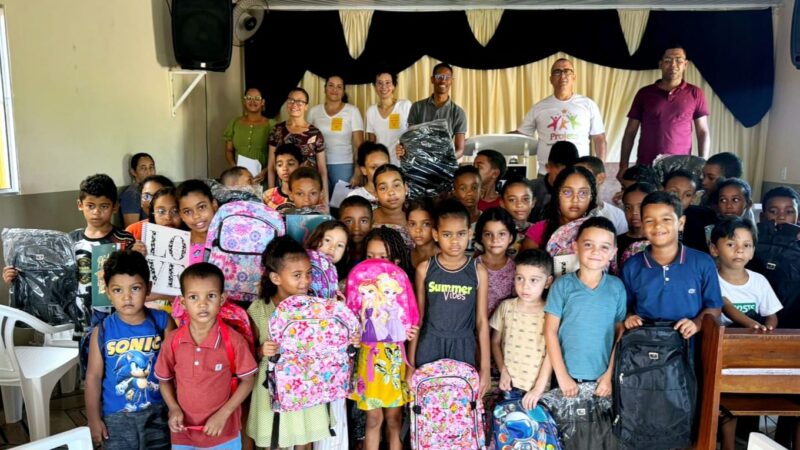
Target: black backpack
(778,259)
(584,421)
(655,389)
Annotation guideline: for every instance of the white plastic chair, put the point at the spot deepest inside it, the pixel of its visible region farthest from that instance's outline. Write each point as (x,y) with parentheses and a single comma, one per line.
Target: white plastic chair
(30,371)
(74,439)
(759,441)
(64,339)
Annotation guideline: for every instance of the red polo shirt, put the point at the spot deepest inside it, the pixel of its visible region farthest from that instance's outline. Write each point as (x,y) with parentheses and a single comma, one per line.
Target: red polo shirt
(666,119)
(202,377)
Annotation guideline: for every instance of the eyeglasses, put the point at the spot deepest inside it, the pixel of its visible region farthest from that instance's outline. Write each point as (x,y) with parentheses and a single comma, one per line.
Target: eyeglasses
(161,212)
(561,72)
(669,61)
(583,194)
(442,77)
(249,98)
(292,102)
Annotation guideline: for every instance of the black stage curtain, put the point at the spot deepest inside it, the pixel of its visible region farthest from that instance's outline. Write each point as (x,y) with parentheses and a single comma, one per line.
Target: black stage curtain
(732,49)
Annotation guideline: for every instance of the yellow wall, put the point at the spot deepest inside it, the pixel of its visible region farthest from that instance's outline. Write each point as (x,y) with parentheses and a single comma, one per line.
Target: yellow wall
(90,88)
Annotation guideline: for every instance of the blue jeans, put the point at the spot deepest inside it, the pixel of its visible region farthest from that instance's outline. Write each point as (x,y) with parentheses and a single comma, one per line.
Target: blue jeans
(338,172)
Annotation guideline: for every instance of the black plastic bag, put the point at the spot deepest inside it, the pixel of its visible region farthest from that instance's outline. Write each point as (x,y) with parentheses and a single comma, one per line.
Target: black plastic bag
(430,160)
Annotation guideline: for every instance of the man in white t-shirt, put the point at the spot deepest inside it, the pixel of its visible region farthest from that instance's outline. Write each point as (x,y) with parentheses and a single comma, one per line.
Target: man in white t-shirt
(565,116)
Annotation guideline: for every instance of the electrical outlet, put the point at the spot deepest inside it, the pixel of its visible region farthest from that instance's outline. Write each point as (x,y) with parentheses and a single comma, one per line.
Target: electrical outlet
(784,173)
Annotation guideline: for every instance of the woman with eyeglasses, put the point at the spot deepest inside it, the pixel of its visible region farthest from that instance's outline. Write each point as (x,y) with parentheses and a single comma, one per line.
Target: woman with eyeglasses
(343,128)
(296,130)
(246,135)
(149,187)
(388,119)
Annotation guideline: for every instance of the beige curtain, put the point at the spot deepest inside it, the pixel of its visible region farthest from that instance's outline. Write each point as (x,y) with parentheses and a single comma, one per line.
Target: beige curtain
(633,23)
(483,23)
(355,24)
(496,101)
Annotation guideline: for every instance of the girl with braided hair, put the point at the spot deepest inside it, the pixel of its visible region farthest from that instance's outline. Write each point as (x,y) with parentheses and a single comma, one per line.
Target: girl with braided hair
(386,243)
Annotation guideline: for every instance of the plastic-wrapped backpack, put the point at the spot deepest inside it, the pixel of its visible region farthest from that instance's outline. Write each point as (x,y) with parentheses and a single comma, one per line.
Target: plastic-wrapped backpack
(237,237)
(430,160)
(314,362)
(324,278)
(47,275)
(584,421)
(516,428)
(447,413)
(665,164)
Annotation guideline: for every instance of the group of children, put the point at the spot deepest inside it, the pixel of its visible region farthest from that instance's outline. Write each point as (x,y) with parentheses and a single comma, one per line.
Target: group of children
(485,285)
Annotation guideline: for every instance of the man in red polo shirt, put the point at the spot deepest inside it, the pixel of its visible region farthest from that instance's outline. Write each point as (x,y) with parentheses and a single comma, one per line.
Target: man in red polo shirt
(666,111)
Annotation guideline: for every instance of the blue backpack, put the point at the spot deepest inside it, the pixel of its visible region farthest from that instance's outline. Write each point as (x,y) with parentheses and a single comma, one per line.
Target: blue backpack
(518,428)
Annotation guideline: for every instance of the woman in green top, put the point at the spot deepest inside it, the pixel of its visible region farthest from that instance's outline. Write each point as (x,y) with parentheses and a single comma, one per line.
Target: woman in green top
(246,136)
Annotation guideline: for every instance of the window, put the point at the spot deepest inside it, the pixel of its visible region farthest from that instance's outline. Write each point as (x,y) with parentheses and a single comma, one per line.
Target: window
(8,156)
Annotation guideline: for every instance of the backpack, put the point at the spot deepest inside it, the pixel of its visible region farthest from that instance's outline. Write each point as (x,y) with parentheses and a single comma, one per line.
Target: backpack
(447,412)
(225,334)
(516,428)
(655,389)
(230,314)
(559,246)
(664,164)
(324,277)
(633,248)
(47,284)
(386,319)
(237,237)
(584,421)
(313,366)
(778,259)
(300,223)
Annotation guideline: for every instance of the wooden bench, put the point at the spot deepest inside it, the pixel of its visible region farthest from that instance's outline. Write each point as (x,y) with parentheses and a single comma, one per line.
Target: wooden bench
(749,373)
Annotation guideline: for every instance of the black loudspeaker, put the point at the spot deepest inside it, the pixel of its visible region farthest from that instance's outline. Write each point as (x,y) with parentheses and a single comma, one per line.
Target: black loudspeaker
(794,43)
(202,33)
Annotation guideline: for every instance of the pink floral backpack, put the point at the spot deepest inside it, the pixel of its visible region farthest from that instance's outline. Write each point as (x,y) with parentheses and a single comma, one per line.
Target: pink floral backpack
(324,278)
(447,412)
(313,365)
(634,248)
(230,314)
(380,293)
(237,237)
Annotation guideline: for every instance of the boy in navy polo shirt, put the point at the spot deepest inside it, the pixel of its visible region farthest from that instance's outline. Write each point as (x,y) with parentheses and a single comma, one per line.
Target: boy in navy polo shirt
(669,281)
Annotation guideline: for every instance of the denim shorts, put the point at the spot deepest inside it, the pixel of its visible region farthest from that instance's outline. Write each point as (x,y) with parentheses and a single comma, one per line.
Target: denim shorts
(140,430)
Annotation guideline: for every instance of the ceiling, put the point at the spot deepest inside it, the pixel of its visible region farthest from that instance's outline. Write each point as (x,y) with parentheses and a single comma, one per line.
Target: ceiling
(431,5)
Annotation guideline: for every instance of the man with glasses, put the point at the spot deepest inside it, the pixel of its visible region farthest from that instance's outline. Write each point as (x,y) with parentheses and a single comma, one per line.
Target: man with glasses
(666,110)
(565,116)
(440,106)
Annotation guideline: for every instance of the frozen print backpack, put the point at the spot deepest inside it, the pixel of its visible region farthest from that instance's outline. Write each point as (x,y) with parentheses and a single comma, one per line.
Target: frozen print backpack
(237,237)
(324,278)
(447,412)
(313,365)
(382,295)
(516,428)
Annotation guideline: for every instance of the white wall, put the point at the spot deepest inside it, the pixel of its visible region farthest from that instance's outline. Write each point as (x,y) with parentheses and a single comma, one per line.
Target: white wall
(90,89)
(783,143)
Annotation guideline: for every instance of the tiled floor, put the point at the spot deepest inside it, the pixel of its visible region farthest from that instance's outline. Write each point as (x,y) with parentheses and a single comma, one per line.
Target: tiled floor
(66,412)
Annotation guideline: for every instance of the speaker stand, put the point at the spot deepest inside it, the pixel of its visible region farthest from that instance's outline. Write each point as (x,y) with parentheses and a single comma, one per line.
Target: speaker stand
(197,74)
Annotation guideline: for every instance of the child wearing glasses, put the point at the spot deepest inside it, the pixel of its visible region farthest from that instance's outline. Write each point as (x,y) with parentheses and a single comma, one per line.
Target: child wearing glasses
(147,190)
(574,195)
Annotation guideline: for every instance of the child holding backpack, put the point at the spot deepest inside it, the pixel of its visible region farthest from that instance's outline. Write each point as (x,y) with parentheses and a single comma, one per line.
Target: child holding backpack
(205,368)
(287,272)
(123,404)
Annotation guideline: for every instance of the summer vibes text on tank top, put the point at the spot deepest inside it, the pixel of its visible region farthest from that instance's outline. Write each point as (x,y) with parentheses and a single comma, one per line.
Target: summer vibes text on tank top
(451,296)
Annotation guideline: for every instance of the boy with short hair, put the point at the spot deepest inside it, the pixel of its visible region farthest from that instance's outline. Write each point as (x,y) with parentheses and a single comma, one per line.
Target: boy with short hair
(780,205)
(123,405)
(491,166)
(197,365)
(719,167)
(305,192)
(236,176)
(584,313)
(517,329)
(356,213)
(669,281)
(683,184)
(604,209)
(287,159)
(562,154)
(467,190)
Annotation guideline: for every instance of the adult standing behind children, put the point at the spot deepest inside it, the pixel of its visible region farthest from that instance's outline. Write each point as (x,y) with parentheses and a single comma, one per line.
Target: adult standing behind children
(388,119)
(296,130)
(343,128)
(246,135)
(666,111)
(565,116)
(440,106)
(142,166)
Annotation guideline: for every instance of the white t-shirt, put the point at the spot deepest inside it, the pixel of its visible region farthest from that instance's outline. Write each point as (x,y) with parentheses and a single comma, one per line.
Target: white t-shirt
(615,215)
(337,131)
(387,130)
(553,120)
(756,295)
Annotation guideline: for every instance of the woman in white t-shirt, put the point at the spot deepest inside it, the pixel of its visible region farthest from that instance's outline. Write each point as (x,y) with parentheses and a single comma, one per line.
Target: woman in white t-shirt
(387,120)
(343,128)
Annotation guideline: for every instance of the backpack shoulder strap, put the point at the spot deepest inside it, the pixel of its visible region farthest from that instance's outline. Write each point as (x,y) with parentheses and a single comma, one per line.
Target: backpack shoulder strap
(226,341)
(151,317)
(100,329)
